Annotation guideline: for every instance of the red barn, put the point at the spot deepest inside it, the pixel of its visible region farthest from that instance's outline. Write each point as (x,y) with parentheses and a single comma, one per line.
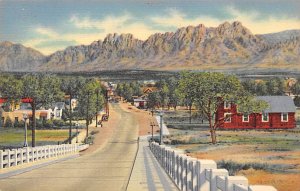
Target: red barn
(279,114)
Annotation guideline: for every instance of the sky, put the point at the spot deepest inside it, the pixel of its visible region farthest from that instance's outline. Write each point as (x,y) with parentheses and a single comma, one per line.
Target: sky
(51,25)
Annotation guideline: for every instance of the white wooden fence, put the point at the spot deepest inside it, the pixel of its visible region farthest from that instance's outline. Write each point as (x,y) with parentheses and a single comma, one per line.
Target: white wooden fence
(191,174)
(9,158)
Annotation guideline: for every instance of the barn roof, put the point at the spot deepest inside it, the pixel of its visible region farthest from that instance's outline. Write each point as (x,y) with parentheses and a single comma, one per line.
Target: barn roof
(278,104)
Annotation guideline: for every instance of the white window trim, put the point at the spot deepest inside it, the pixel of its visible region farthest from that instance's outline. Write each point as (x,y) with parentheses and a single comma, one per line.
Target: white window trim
(229,119)
(227,103)
(287,117)
(243,118)
(262,117)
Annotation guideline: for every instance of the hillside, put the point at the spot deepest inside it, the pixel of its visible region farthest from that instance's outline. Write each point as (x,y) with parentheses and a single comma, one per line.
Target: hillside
(226,47)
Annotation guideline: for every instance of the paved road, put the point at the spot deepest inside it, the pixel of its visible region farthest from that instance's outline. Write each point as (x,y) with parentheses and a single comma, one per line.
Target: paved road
(106,169)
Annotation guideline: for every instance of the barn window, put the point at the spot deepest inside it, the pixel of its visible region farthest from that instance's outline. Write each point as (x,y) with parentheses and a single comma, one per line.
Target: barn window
(245,118)
(227,105)
(265,117)
(227,117)
(284,117)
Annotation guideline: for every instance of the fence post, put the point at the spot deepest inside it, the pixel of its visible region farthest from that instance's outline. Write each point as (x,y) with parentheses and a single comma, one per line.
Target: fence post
(191,174)
(27,155)
(21,155)
(213,174)
(8,158)
(202,184)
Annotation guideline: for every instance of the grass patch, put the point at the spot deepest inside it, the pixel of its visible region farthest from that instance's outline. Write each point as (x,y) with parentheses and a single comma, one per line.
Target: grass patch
(14,137)
(234,167)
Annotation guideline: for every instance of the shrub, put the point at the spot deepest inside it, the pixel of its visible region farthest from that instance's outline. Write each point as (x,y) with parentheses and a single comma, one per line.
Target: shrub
(8,122)
(89,140)
(58,122)
(19,124)
(48,123)
(234,167)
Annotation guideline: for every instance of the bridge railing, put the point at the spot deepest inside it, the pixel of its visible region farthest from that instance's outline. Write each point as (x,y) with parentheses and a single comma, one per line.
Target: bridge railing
(191,174)
(14,157)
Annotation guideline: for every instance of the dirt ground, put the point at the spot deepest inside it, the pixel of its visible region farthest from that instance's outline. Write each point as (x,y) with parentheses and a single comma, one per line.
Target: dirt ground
(280,149)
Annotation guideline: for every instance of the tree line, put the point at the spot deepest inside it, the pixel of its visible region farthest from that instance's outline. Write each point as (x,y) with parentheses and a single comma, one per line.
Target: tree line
(45,89)
(207,90)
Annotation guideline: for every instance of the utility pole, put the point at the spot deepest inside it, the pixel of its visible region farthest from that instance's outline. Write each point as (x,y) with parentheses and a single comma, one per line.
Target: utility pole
(161,129)
(152,125)
(97,106)
(87,114)
(107,107)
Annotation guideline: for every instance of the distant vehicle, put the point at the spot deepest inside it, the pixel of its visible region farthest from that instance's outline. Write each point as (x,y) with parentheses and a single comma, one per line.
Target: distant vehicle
(104,117)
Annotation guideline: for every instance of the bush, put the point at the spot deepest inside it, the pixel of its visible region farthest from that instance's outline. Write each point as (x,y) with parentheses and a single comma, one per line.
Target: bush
(58,122)
(19,124)
(8,122)
(234,167)
(297,101)
(48,123)
(89,140)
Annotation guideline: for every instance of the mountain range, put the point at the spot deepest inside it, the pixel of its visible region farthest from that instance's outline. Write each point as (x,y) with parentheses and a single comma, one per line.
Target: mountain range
(230,46)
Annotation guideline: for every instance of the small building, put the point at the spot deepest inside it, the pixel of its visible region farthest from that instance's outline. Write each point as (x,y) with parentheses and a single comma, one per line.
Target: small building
(57,110)
(140,103)
(280,114)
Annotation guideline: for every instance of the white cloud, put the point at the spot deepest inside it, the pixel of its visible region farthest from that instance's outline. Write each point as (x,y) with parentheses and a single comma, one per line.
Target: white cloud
(111,24)
(175,18)
(265,25)
(141,29)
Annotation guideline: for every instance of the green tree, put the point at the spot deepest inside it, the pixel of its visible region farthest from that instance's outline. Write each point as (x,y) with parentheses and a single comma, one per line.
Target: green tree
(164,95)
(275,86)
(42,90)
(296,88)
(261,89)
(136,88)
(154,100)
(71,87)
(128,92)
(10,89)
(186,89)
(8,122)
(87,102)
(212,89)
(174,93)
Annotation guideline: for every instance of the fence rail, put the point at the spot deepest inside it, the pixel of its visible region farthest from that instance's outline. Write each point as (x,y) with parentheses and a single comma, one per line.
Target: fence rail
(191,174)
(14,157)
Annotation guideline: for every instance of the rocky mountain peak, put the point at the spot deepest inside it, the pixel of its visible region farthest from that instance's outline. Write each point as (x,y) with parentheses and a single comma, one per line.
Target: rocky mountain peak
(195,47)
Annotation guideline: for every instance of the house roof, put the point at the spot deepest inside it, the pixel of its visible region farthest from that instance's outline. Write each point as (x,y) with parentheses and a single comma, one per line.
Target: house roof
(278,104)
(138,100)
(59,105)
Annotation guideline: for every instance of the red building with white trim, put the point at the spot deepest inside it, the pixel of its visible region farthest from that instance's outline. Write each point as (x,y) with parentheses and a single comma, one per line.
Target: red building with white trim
(279,115)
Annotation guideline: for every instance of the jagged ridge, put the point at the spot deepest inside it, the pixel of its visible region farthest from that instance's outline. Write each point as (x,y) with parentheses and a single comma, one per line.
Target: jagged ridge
(228,46)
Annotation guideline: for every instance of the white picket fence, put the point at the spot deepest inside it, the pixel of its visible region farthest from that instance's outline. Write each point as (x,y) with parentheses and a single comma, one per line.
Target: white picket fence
(191,174)
(14,157)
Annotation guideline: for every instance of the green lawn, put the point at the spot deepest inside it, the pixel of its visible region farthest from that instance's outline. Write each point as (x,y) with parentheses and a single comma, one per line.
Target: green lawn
(14,137)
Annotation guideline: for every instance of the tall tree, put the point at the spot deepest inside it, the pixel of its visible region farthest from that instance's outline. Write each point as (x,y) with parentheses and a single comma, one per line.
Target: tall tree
(212,89)
(10,89)
(154,100)
(87,101)
(174,94)
(71,87)
(42,90)
(187,92)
